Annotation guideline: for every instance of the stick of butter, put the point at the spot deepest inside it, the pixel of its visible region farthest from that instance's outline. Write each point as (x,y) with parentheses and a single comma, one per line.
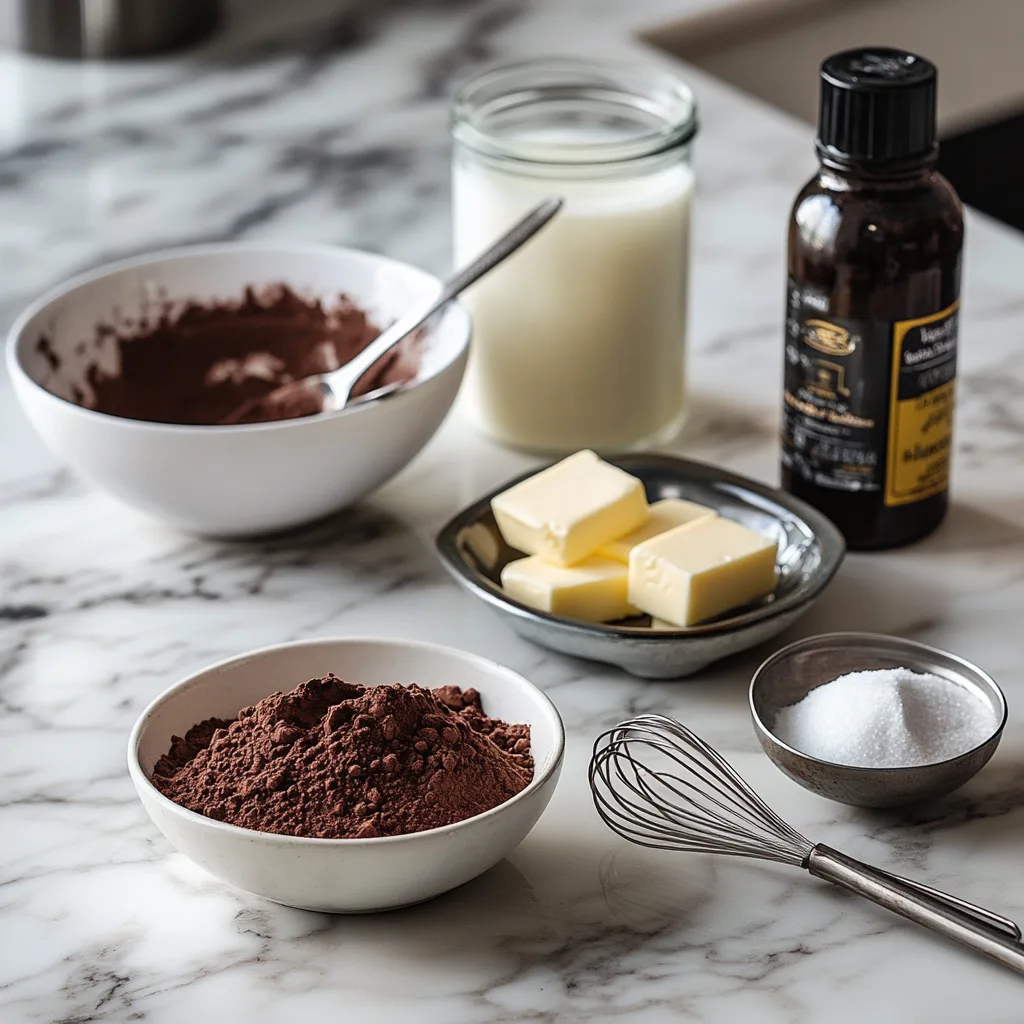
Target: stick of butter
(662,626)
(567,511)
(593,590)
(664,515)
(695,572)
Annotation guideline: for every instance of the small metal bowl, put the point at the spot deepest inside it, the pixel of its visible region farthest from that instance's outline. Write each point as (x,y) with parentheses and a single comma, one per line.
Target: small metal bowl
(810,551)
(791,673)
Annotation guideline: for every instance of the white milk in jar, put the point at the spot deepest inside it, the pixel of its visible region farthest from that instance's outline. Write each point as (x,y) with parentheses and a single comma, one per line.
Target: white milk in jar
(579,339)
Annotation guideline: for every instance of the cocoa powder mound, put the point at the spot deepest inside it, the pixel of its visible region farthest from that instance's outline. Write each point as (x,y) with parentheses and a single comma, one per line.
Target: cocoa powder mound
(336,760)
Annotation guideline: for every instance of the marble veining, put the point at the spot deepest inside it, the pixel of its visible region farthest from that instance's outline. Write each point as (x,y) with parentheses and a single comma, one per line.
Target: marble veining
(334,130)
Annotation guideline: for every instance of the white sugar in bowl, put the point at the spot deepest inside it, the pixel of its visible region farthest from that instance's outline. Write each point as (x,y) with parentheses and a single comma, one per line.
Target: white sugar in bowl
(789,675)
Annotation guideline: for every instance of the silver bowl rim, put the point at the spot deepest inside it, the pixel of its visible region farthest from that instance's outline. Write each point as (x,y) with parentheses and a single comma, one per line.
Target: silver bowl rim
(999,703)
(830,542)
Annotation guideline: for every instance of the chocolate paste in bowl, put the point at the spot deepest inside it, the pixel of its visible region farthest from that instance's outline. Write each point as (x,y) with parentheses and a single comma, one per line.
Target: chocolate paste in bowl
(196,363)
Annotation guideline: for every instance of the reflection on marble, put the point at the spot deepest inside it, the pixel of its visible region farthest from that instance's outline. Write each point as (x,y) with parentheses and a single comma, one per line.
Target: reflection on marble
(336,133)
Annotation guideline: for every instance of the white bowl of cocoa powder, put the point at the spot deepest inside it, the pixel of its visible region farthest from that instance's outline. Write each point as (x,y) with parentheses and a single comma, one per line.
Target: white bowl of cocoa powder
(348,775)
(129,372)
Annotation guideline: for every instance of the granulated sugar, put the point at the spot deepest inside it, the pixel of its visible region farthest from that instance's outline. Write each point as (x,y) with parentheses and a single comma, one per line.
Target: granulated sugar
(889,718)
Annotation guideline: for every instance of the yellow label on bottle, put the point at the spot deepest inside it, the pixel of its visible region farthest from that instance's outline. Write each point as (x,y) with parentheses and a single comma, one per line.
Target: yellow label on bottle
(921,407)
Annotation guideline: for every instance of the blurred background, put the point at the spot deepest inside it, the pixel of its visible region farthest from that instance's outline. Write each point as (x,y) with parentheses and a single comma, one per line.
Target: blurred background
(772,48)
(769,48)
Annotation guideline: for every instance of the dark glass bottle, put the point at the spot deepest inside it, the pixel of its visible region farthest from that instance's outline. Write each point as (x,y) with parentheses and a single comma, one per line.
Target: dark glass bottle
(875,241)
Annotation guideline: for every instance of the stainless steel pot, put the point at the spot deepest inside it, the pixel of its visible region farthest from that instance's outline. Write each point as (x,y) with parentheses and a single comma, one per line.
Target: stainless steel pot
(105,28)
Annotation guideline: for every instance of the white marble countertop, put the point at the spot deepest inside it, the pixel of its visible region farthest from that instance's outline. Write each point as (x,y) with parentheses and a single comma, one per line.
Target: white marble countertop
(338,135)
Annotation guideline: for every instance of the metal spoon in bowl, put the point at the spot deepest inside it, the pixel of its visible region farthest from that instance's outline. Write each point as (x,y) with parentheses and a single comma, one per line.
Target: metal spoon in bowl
(329,392)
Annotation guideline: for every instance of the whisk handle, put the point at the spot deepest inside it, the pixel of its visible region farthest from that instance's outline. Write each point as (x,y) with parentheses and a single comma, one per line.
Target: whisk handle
(978,929)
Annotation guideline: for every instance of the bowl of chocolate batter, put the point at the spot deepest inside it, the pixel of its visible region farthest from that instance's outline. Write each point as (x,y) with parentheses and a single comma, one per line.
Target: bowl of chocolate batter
(348,775)
(128,374)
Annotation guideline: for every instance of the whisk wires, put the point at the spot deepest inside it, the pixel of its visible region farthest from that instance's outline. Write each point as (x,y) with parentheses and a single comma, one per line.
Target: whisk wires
(658,784)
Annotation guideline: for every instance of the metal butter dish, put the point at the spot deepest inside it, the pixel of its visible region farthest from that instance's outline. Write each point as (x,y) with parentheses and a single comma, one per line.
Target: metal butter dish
(810,551)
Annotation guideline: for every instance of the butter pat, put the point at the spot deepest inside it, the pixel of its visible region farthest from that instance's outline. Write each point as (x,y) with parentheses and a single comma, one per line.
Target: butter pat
(566,512)
(662,626)
(664,515)
(693,573)
(594,590)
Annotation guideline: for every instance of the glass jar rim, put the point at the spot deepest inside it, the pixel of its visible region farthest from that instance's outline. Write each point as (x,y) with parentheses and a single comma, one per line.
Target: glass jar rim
(667,103)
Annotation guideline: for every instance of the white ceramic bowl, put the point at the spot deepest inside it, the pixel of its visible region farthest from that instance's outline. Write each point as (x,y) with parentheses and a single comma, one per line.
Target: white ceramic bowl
(347,875)
(240,480)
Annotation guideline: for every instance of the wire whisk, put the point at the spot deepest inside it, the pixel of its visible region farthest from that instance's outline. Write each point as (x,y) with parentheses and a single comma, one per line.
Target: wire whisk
(658,784)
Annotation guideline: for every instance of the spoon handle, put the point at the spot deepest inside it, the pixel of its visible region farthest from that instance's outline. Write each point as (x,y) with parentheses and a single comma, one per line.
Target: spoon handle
(517,235)
(507,244)
(971,926)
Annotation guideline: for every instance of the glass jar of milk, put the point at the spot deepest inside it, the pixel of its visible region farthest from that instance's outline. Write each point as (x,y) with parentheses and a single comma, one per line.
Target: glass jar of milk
(579,340)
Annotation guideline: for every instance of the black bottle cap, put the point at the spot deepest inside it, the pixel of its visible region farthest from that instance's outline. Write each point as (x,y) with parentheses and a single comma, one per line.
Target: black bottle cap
(877,109)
